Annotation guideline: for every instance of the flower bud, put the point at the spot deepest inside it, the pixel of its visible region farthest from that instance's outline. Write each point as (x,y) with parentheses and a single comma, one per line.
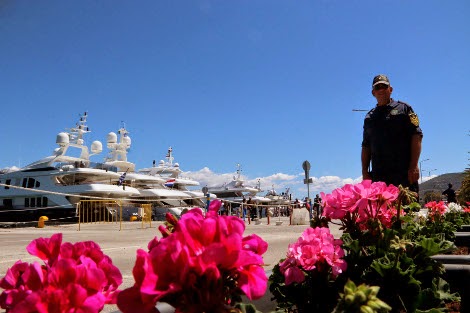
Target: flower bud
(165,232)
(171,219)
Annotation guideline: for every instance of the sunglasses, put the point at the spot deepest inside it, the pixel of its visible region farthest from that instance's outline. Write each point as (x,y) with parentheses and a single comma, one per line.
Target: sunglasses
(380,86)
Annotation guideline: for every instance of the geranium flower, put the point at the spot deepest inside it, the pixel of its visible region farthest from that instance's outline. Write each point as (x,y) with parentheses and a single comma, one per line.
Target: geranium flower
(316,249)
(74,278)
(454,207)
(356,204)
(436,207)
(198,266)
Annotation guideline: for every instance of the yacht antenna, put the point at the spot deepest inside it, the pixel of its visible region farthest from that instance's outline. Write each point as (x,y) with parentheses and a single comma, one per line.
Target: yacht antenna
(239,171)
(169,156)
(76,133)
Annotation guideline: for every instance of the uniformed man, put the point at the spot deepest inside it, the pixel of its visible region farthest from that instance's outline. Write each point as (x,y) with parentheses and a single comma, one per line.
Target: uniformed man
(391,139)
(450,193)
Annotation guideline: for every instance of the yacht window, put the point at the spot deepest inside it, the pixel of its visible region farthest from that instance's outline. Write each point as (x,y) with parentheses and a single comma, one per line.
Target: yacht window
(37,184)
(8,203)
(26,202)
(44,201)
(7,182)
(25,180)
(33,202)
(31,182)
(38,202)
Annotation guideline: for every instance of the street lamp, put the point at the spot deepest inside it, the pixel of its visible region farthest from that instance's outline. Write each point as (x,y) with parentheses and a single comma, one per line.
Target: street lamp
(420,172)
(429,171)
(308,181)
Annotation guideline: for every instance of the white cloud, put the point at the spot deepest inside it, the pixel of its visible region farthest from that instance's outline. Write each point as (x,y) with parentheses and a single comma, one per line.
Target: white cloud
(280,181)
(424,179)
(9,169)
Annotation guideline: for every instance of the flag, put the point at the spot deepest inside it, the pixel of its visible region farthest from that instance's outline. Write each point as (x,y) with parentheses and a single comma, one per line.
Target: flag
(170,183)
(121,179)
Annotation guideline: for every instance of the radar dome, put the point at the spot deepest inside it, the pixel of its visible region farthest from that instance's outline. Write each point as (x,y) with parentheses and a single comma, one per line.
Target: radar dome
(62,139)
(177,165)
(96,146)
(127,140)
(161,162)
(111,138)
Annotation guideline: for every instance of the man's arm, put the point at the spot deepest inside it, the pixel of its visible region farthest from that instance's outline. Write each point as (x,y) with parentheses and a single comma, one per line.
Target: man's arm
(365,161)
(413,169)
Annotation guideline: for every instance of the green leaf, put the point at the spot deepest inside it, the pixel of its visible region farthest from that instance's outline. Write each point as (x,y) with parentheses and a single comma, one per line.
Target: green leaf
(430,247)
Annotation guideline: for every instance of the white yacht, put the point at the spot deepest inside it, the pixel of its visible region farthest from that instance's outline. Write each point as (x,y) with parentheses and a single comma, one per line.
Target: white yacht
(236,190)
(160,186)
(54,185)
(278,199)
(171,173)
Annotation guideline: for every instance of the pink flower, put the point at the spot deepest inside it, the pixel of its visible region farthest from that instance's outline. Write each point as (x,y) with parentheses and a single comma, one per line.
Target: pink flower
(436,207)
(291,271)
(314,249)
(46,249)
(198,267)
(75,277)
(356,204)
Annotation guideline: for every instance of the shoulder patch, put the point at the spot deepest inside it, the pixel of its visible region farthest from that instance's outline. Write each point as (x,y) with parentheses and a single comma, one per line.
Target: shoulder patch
(414,119)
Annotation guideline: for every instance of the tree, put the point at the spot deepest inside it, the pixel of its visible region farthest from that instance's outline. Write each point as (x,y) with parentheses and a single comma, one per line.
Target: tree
(464,191)
(432,196)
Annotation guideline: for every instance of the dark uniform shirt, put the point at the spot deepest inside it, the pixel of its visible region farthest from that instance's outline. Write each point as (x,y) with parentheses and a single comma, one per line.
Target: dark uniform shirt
(450,193)
(387,133)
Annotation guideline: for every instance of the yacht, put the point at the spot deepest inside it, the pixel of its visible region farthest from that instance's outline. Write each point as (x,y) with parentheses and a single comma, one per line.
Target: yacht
(278,199)
(54,185)
(236,190)
(170,172)
(162,186)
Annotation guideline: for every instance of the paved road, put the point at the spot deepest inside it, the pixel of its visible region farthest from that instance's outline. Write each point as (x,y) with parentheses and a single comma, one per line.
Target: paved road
(121,245)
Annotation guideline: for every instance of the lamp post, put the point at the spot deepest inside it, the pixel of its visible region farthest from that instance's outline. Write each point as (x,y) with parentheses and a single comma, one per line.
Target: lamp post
(205,191)
(429,171)
(420,172)
(307,181)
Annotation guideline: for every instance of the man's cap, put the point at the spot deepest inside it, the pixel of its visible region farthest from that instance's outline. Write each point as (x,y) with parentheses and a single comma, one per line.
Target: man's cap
(380,79)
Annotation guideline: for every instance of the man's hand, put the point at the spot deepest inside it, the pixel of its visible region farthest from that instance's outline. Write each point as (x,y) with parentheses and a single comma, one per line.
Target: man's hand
(413,175)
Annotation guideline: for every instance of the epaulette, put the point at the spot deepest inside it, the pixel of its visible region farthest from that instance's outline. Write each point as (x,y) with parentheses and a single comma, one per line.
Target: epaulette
(402,102)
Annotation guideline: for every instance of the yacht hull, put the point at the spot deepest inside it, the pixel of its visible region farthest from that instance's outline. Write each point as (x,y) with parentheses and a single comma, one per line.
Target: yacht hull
(56,214)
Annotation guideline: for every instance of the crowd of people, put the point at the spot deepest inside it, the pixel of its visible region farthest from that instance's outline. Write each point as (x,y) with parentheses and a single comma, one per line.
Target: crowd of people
(249,208)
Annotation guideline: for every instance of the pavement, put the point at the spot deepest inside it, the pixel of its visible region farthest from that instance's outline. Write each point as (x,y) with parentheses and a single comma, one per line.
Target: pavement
(121,241)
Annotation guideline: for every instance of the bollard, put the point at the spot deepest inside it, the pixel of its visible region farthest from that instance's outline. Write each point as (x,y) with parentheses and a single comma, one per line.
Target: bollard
(41,221)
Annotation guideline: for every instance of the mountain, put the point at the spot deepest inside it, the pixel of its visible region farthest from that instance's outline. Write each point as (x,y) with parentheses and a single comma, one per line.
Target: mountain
(439,184)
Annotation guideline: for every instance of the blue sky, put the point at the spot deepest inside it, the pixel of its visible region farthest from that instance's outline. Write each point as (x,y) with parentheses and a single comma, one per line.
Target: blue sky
(266,84)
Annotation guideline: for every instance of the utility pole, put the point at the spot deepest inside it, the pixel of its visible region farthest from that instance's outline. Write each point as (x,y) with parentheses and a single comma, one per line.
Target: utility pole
(420,172)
